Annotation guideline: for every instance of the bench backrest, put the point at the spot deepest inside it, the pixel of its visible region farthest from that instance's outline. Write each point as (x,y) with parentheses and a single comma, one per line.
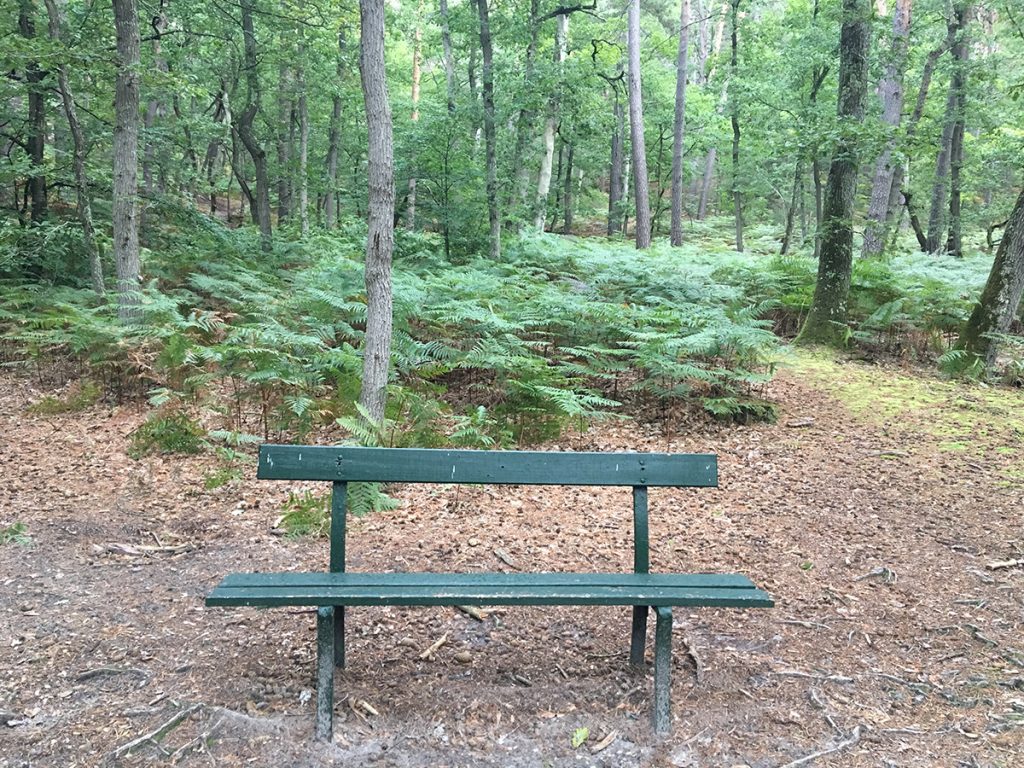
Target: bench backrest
(342,464)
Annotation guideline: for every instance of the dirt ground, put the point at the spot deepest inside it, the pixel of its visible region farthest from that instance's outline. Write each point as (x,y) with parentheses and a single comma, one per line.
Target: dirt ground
(887,537)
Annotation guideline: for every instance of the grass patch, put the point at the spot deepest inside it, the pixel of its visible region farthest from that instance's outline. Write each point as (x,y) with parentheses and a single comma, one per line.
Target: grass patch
(16,533)
(83,395)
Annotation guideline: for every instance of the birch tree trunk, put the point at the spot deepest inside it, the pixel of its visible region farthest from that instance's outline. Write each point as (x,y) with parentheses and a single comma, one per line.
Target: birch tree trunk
(641,188)
(125,202)
(1000,300)
(381,211)
(490,137)
(83,200)
(826,320)
(679,126)
(548,137)
(891,92)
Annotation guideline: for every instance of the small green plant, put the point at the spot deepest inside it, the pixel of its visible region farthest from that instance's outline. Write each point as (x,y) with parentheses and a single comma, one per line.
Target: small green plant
(83,395)
(171,432)
(218,478)
(580,736)
(16,533)
(306,514)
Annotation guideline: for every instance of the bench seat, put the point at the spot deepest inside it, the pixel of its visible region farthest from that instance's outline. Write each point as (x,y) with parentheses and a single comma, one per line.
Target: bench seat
(627,589)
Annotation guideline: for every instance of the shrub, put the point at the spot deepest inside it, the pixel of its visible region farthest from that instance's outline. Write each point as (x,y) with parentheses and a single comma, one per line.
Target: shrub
(166,432)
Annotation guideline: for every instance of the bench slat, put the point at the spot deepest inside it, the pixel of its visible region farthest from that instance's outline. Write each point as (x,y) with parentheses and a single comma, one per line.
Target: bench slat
(457,592)
(495,579)
(409,465)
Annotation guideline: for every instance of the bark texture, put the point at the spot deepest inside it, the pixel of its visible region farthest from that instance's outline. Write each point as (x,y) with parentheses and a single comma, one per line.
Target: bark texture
(826,320)
(260,201)
(490,137)
(380,230)
(126,159)
(83,200)
(641,189)
(35,133)
(891,93)
(679,125)
(1000,300)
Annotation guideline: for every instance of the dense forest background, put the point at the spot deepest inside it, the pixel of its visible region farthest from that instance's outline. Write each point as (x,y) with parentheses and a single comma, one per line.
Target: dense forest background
(184,189)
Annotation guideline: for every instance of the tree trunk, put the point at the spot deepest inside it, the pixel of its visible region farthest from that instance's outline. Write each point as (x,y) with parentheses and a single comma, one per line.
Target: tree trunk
(794,202)
(818,204)
(449,59)
(734,118)
(126,160)
(83,201)
(244,127)
(961,50)
(615,176)
(1000,300)
(679,126)
(826,320)
(410,209)
(915,117)
(36,127)
(380,231)
(705,186)
(567,193)
(284,121)
(891,92)
(524,123)
(490,138)
(548,137)
(937,215)
(334,140)
(300,81)
(636,131)
(154,110)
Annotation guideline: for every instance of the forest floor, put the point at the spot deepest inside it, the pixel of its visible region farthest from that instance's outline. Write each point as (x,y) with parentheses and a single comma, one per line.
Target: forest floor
(883,512)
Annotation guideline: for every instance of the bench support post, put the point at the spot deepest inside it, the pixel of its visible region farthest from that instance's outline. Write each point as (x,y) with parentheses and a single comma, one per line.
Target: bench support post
(324,674)
(641,564)
(339,497)
(663,671)
(638,641)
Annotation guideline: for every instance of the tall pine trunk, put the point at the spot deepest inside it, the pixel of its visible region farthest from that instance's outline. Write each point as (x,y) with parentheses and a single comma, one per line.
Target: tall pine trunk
(380,224)
(490,137)
(641,188)
(35,142)
(961,50)
(679,125)
(826,320)
(300,81)
(616,175)
(126,160)
(891,92)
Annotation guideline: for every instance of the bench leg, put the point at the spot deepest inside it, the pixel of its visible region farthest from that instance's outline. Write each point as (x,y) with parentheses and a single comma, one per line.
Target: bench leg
(638,640)
(662,671)
(324,674)
(339,637)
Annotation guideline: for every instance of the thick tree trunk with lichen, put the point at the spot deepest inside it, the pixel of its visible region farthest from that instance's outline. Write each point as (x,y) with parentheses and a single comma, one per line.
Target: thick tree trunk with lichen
(826,320)
(380,225)
(1000,300)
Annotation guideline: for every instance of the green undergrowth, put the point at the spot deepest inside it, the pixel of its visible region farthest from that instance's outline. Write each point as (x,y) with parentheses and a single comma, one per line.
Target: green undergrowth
(959,417)
(559,332)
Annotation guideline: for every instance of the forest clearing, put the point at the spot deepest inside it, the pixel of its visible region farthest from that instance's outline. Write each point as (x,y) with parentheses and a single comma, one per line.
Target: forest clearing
(643,383)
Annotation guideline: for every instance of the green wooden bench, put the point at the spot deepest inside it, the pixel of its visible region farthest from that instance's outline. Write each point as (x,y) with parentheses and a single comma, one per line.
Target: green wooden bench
(331,592)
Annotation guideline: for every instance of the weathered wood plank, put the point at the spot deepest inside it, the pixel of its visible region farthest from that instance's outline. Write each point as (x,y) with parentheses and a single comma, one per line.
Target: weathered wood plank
(415,465)
(491,578)
(487,595)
